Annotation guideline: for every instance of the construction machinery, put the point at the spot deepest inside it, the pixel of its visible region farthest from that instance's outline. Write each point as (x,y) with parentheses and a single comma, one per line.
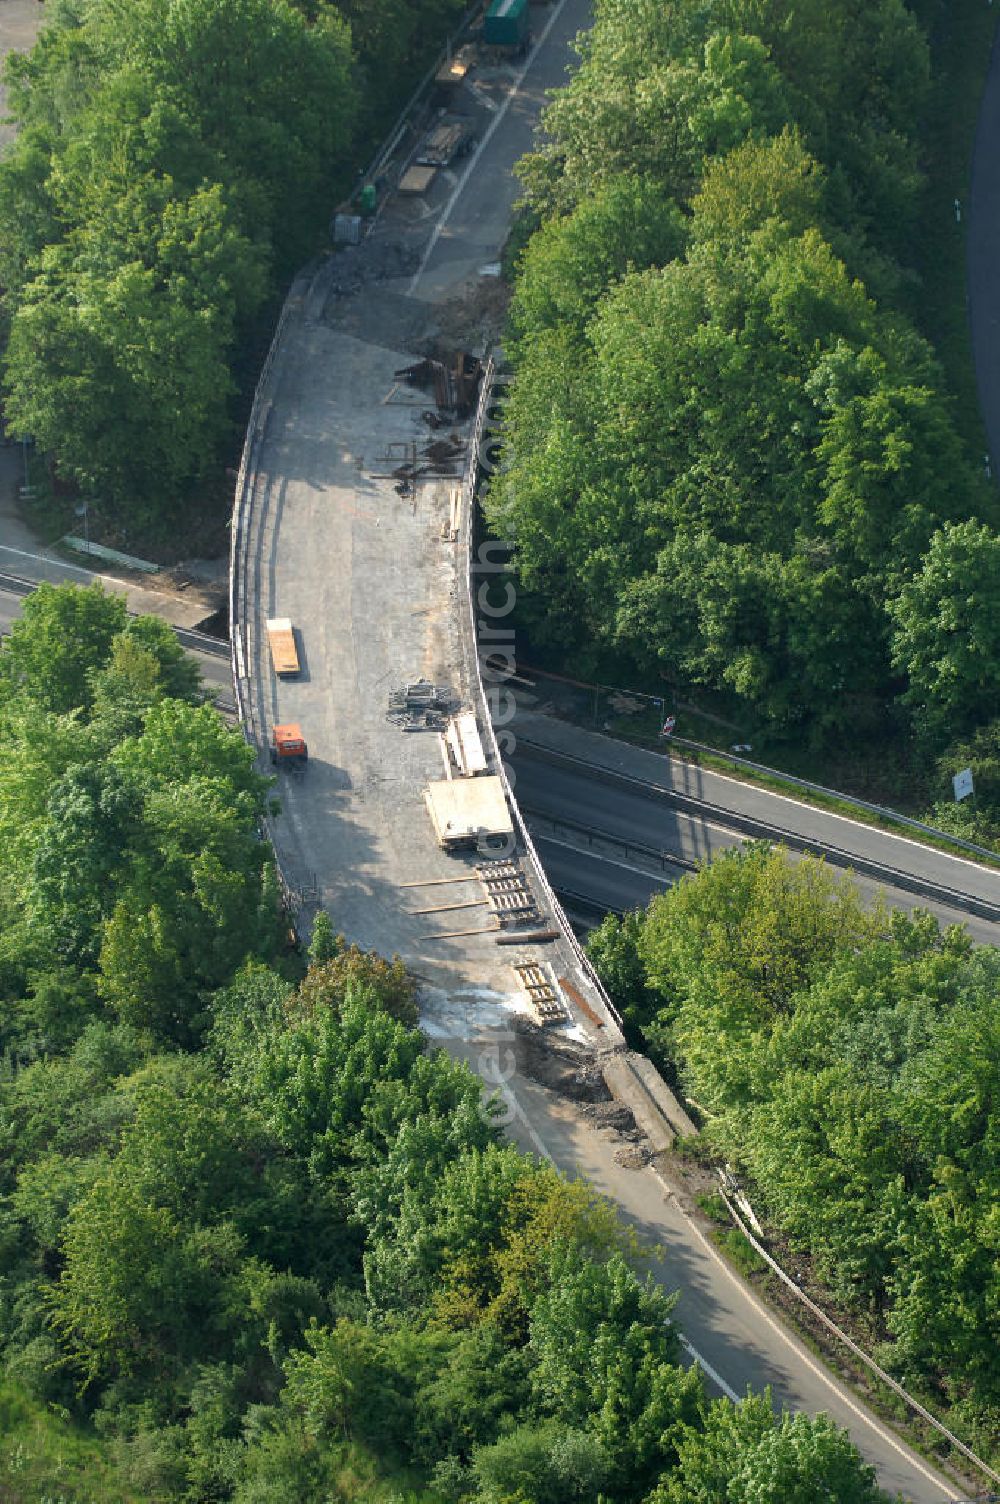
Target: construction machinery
(507,25)
(288,746)
(281,639)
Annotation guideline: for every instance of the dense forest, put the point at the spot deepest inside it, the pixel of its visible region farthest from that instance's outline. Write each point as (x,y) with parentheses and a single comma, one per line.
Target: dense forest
(731,464)
(176,163)
(260,1242)
(847,1060)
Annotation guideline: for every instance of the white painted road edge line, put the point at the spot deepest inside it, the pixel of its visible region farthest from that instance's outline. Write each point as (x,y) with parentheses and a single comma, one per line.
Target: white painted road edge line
(707,1368)
(23,553)
(608,861)
(829,814)
(682,788)
(487,137)
(803,1356)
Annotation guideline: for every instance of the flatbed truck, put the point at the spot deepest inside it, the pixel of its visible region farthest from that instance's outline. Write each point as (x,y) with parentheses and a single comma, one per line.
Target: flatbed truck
(281,639)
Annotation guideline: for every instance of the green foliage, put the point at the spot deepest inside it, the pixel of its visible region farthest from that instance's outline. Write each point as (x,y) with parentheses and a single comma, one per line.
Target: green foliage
(977,817)
(62,637)
(167,172)
(947,628)
(544,1464)
(848,1062)
(43,1457)
(613,947)
(339,972)
(324,944)
(569,264)
(722,455)
(745,1452)
(132,868)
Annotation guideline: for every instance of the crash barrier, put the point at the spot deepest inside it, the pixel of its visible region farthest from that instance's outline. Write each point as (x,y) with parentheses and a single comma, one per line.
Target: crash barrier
(818,788)
(469,484)
(242,548)
(841,1336)
(395,132)
(758,829)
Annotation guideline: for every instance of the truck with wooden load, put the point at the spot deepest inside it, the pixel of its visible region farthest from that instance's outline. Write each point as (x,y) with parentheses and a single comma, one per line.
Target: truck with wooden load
(281,639)
(288,746)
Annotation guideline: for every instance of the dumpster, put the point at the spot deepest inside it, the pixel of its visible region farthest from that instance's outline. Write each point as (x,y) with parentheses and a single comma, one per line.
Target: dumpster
(506,24)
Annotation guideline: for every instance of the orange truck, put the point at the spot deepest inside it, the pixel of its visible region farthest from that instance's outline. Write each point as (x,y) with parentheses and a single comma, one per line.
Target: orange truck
(281,638)
(288,747)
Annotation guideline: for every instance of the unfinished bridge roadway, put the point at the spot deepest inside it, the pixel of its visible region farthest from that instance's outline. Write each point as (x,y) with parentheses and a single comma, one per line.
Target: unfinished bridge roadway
(372,574)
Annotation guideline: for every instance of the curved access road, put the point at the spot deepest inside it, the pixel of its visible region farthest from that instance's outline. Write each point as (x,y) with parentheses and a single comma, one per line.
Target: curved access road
(373,578)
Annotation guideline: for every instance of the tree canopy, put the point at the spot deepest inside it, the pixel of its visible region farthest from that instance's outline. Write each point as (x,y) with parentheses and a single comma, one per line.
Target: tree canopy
(261,1239)
(846,1061)
(730,460)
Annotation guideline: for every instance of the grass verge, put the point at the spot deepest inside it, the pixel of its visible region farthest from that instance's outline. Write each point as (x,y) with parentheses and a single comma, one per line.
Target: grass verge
(45,1458)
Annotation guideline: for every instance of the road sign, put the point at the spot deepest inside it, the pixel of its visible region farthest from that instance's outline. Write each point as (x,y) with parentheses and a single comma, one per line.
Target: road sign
(962,784)
(668,725)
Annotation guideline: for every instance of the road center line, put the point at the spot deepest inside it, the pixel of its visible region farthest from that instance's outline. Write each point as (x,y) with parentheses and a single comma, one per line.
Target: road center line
(908,1455)
(707,1368)
(487,137)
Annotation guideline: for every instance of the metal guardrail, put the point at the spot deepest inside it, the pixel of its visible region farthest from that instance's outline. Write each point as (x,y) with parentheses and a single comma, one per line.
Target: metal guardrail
(622,843)
(859,1352)
(241,630)
(468,504)
(763,829)
(818,788)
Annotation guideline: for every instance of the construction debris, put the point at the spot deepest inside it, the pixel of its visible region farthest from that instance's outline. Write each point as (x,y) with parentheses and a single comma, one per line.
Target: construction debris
(560,1064)
(633,1156)
(421,706)
(454,381)
(465,744)
(375,259)
(539,987)
(441,144)
(416,180)
(456,69)
(445,451)
(506,885)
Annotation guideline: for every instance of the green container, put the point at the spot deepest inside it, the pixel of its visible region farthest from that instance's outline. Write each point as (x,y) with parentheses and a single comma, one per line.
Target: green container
(506,24)
(367,199)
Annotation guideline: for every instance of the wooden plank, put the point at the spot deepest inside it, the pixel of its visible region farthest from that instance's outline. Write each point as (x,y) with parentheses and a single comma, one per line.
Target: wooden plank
(526,937)
(434,882)
(475,903)
(454,934)
(579,1001)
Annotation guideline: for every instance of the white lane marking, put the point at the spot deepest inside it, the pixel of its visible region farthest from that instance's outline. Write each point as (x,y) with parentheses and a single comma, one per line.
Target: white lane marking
(487,137)
(706,1367)
(829,814)
(803,1357)
(538,1142)
(599,856)
(22,553)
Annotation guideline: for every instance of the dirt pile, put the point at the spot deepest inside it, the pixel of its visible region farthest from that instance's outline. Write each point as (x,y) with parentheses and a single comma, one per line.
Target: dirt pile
(374,260)
(567,1068)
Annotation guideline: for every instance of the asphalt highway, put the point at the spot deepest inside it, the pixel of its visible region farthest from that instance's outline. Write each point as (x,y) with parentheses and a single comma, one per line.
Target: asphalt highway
(633,816)
(212,661)
(603,879)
